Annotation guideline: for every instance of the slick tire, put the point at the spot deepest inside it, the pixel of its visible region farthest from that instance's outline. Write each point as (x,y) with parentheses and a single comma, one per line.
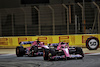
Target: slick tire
(45,54)
(35,49)
(79,51)
(20,51)
(53,52)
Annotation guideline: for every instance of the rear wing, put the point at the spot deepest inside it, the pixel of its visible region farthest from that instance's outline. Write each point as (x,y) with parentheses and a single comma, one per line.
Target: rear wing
(26,42)
(54,44)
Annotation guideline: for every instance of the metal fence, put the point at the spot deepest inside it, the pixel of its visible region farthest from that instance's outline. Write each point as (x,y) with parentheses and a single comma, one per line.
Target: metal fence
(56,19)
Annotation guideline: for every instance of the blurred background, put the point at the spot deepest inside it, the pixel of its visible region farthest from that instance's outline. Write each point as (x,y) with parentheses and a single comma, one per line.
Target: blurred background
(49,17)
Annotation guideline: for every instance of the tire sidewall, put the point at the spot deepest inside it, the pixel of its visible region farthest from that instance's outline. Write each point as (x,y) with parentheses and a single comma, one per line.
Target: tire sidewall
(79,51)
(20,51)
(45,54)
(53,52)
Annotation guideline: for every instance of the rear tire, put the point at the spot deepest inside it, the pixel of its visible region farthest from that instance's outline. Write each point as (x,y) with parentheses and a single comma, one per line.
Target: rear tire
(53,52)
(45,54)
(35,49)
(20,51)
(79,51)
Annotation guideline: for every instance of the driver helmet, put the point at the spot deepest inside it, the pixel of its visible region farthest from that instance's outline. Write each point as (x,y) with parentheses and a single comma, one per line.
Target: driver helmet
(41,43)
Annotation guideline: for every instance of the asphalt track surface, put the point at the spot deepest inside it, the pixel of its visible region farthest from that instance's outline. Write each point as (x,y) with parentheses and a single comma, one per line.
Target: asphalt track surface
(10,60)
(13,61)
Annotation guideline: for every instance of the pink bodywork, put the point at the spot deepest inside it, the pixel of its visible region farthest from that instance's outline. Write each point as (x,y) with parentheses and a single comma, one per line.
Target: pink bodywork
(66,50)
(40,44)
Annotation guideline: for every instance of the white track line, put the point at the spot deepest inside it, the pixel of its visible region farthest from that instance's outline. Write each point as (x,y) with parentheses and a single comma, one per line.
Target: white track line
(6,54)
(93,54)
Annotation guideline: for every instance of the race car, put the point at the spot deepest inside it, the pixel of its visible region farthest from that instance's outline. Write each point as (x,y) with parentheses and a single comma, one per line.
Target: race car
(35,49)
(62,51)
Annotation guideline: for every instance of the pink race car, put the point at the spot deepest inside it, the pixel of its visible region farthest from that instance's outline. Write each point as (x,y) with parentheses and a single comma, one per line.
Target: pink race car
(36,48)
(62,51)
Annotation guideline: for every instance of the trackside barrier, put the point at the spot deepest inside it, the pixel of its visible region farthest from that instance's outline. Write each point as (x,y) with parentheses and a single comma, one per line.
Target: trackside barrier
(73,40)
